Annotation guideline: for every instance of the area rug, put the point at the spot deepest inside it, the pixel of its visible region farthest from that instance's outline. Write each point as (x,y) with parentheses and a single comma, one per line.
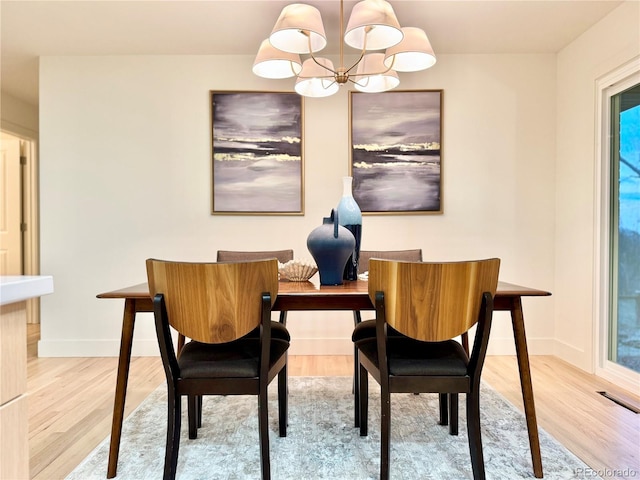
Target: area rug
(322,442)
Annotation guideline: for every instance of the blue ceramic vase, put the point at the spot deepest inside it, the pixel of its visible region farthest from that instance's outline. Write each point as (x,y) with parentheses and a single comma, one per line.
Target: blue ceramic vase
(350,217)
(331,245)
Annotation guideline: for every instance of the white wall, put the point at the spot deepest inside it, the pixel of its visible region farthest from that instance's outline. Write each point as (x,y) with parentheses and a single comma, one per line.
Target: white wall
(125,175)
(609,44)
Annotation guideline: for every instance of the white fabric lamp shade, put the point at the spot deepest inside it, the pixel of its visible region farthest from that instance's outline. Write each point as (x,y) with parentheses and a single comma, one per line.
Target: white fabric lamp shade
(413,53)
(297,25)
(273,63)
(371,76)
(315,80)
(385,30)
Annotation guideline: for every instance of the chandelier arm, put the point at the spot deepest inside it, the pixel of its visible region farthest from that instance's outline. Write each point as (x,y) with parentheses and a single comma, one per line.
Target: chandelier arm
(356,82)
(369,74)
(304,77)
(393,61)
(313,57)
(356,62)
(293,70)
(330,85)
(364,78)
(323,66)
(362,54)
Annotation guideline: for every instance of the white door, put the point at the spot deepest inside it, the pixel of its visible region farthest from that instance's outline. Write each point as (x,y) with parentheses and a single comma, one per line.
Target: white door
(10,206)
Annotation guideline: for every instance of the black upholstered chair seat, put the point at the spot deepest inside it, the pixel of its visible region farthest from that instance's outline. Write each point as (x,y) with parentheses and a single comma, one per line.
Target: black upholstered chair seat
(278,330)
(235,359)
(409,357)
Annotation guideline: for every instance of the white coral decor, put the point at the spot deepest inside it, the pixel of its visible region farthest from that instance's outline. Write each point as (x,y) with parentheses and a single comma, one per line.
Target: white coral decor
(297,270)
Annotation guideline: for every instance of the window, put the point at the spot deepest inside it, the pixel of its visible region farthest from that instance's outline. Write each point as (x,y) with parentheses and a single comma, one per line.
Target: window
(624,318)
(618,282)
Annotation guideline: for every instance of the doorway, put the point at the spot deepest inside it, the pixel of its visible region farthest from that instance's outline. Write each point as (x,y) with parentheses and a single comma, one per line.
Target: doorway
(10,205)
(19,216)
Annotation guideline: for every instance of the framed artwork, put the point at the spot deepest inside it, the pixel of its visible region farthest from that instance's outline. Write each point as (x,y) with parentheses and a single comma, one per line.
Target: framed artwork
(395,156)
(257,164)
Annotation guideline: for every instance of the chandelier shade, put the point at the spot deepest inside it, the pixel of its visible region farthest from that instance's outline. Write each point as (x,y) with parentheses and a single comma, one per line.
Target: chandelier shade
(413,53)
(372,28)
(365,82)
(314,81)
(298,27)
(273,63)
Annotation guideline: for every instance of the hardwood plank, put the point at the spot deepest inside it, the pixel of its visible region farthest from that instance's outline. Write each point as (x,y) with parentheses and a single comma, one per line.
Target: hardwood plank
(602,433)
(71,403)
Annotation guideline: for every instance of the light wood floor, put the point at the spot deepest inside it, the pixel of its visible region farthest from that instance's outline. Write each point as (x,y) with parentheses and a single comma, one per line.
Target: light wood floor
(71,402)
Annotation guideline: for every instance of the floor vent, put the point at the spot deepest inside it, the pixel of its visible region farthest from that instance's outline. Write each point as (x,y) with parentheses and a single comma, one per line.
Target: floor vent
(620,402)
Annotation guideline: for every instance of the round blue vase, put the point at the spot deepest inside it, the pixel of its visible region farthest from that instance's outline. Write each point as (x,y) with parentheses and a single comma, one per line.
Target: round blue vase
(331,245)
(351,218)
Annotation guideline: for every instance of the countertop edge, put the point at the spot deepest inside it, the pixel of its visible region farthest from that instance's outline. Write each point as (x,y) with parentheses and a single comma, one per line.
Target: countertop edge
(17,288)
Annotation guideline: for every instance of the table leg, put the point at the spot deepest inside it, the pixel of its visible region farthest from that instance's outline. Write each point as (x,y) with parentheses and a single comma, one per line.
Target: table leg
(126,342)
(522,353)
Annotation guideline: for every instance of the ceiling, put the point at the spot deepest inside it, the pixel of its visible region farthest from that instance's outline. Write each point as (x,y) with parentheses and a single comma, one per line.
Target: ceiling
(30,29)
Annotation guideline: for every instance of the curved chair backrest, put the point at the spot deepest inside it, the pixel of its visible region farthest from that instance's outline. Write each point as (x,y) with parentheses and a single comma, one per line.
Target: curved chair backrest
(283,256)
(433,301)
(414,255)
(213,302)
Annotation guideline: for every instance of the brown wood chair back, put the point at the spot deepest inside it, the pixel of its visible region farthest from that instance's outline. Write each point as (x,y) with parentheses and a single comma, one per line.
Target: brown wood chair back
(283,256)
(433,302)
(213,302)
(413,255)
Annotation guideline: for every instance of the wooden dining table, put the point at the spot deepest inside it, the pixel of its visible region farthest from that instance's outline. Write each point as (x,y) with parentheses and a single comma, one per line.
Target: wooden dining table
(298,296)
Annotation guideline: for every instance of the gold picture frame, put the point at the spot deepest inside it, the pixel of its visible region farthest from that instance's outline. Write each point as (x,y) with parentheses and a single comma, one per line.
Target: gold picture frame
(257,165)
(396,151)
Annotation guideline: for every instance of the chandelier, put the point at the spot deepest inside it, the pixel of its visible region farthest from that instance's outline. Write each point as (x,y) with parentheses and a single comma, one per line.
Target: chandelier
(384,49)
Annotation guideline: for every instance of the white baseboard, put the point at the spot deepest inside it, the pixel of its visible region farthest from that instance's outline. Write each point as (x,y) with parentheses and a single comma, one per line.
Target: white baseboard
(95,348)
(339,346)
(575,356)
(321,346)
(299,346)
(506,346)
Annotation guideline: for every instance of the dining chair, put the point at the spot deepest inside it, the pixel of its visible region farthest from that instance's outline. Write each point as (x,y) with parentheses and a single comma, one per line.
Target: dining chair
(429,305)
(217,306)
(411,255)
(448,416)
(283,256)
(414,255)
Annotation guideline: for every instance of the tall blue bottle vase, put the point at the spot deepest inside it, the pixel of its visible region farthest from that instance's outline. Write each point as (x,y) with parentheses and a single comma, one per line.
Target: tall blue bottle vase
(350,217)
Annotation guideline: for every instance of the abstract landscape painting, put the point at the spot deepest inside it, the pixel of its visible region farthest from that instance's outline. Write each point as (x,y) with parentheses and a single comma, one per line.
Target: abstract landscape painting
(257,153)
(395,151)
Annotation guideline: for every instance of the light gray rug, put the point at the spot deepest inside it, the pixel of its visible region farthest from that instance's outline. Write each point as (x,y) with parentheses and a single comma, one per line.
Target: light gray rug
(322,443)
